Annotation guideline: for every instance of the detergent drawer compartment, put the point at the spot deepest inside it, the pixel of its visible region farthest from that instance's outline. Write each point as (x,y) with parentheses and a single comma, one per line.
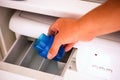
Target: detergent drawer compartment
(22,54)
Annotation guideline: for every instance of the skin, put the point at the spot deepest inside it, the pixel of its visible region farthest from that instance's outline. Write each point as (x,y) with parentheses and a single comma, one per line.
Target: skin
(102,20)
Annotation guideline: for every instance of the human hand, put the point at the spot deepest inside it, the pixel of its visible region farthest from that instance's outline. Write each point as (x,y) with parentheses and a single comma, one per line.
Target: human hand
(97,22)
(67,33)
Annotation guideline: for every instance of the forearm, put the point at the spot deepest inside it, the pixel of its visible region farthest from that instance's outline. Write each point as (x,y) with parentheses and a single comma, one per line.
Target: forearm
(102,20)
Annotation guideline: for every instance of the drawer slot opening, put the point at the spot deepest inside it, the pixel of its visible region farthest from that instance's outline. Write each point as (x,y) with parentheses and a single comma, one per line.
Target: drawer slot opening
(52,67)
(22,53)
(32,59)
(18,50)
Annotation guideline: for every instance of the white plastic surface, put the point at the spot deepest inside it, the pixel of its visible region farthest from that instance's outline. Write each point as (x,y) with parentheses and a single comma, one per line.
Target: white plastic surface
(4,75)
(59,8)
(76,75)
(30,24)
(99,59)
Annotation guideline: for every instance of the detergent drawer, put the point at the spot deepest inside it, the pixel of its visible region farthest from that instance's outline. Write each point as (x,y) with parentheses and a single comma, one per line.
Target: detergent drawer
(23,59)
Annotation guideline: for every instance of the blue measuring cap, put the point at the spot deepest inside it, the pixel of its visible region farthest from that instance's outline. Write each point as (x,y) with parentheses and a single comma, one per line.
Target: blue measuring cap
(43,44)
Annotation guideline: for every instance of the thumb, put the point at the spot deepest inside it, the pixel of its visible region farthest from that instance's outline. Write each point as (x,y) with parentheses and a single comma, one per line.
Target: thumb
(54,48)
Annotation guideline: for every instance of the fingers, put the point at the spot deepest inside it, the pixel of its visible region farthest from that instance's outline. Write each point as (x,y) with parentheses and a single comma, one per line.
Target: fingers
(68,47)
(54,48)
(54,28)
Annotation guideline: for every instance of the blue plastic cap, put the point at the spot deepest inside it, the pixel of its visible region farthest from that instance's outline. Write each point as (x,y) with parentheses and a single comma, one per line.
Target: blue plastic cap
(43,44)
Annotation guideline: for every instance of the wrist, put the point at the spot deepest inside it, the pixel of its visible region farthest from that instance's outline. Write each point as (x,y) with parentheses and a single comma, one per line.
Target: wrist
(86,30)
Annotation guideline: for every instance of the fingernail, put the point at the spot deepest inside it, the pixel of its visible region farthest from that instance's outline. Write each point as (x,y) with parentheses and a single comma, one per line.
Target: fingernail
(49,56)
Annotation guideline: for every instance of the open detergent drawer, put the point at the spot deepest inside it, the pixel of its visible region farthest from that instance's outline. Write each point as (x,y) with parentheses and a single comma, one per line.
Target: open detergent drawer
(23,59)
